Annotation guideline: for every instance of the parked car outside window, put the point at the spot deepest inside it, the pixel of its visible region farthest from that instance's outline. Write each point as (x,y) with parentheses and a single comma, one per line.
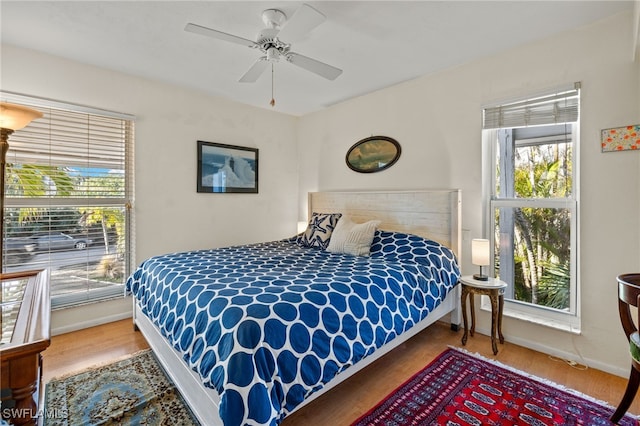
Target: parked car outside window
(60,241)
(17,250)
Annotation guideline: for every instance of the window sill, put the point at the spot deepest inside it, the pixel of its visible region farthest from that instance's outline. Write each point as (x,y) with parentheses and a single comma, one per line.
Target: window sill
(542,320)
(80,298)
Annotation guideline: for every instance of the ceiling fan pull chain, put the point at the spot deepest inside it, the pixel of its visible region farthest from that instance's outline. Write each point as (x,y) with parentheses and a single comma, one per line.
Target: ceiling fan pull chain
(273,101)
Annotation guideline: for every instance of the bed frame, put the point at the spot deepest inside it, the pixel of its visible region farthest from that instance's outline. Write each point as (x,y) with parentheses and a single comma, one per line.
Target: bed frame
(433,214)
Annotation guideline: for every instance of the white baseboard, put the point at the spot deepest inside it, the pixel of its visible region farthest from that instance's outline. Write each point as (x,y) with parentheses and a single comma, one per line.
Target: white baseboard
(536,346)
(66,320)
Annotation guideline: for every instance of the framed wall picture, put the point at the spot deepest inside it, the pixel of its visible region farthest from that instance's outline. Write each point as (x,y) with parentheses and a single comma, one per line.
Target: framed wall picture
(620,138)
(373,154)
(227,168)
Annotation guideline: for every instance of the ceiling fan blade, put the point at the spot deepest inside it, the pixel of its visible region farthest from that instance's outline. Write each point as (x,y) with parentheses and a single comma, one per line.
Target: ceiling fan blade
(303,20)
(255,71)
(198,29)
(324,70)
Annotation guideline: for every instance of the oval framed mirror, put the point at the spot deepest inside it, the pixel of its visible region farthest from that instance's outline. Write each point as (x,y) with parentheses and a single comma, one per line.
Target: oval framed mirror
(373,154)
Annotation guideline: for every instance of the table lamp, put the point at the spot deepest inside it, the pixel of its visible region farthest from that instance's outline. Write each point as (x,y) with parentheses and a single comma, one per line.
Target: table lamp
(480,256)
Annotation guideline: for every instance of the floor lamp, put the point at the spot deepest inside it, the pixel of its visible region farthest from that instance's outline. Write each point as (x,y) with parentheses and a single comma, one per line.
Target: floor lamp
(12,117)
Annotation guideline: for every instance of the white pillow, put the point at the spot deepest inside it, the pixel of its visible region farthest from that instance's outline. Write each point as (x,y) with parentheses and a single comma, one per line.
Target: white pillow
(352,238)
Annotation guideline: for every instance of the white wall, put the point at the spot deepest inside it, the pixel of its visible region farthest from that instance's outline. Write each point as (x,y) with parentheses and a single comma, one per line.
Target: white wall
(437,121)
(170,214)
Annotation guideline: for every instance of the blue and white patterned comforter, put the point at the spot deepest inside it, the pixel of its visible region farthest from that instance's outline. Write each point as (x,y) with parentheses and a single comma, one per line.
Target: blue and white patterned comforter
(268,324)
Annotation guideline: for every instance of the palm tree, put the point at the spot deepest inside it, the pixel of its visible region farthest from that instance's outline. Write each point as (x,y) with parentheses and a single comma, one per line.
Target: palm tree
(30,181)
(542,247)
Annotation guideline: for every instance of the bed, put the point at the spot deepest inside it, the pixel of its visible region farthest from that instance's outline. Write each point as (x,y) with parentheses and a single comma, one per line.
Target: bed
(251,333)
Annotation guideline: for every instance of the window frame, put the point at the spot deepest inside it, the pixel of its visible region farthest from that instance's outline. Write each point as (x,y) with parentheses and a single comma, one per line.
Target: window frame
(125,201)
(539,314)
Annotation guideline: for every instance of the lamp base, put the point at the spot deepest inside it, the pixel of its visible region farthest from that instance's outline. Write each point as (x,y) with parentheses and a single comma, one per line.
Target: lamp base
(480,277)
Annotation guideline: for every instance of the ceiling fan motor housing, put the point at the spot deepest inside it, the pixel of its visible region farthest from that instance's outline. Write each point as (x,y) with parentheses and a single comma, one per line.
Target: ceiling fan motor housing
(270,45)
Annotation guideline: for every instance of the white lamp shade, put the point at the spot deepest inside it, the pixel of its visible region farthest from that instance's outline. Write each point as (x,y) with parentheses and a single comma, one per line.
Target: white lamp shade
(15,117)
(480,252)
(302,226)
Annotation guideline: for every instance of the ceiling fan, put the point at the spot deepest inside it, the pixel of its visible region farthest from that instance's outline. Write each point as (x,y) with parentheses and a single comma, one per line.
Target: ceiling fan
(269,41)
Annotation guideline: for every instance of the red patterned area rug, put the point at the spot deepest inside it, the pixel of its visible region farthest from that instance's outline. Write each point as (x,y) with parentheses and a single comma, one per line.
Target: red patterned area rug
(458,388)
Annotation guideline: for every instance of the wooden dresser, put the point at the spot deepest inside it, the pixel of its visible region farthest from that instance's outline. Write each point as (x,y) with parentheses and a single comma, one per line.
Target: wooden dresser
(26,332)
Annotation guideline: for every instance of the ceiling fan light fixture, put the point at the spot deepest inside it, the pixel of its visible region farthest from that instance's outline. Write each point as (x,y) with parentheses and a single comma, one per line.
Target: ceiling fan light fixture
(272,54)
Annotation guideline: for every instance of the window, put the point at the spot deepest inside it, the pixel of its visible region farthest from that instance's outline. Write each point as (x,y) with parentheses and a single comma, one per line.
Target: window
(532,204)
(68,194)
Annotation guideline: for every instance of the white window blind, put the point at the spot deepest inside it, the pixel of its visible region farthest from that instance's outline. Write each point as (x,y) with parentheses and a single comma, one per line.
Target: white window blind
(69,185)
(554,108)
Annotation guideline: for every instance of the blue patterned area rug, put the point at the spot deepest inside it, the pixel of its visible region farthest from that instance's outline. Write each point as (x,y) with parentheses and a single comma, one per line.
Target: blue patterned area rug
(133,391)
(460,389)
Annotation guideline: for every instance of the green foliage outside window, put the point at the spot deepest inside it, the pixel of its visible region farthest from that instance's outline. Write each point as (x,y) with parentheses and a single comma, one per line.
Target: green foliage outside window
(542,244)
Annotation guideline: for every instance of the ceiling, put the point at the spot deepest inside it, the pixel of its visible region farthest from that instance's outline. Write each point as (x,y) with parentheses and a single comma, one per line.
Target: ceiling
(376,43)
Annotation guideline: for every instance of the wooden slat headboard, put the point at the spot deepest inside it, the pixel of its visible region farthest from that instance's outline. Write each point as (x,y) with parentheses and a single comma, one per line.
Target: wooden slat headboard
(433,214)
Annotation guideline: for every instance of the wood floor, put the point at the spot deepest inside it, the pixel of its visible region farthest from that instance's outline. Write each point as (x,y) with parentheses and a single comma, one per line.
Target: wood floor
(76,351)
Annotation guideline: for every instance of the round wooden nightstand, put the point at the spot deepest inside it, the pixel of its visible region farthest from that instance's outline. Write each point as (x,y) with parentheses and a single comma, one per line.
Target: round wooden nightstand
(494,288)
